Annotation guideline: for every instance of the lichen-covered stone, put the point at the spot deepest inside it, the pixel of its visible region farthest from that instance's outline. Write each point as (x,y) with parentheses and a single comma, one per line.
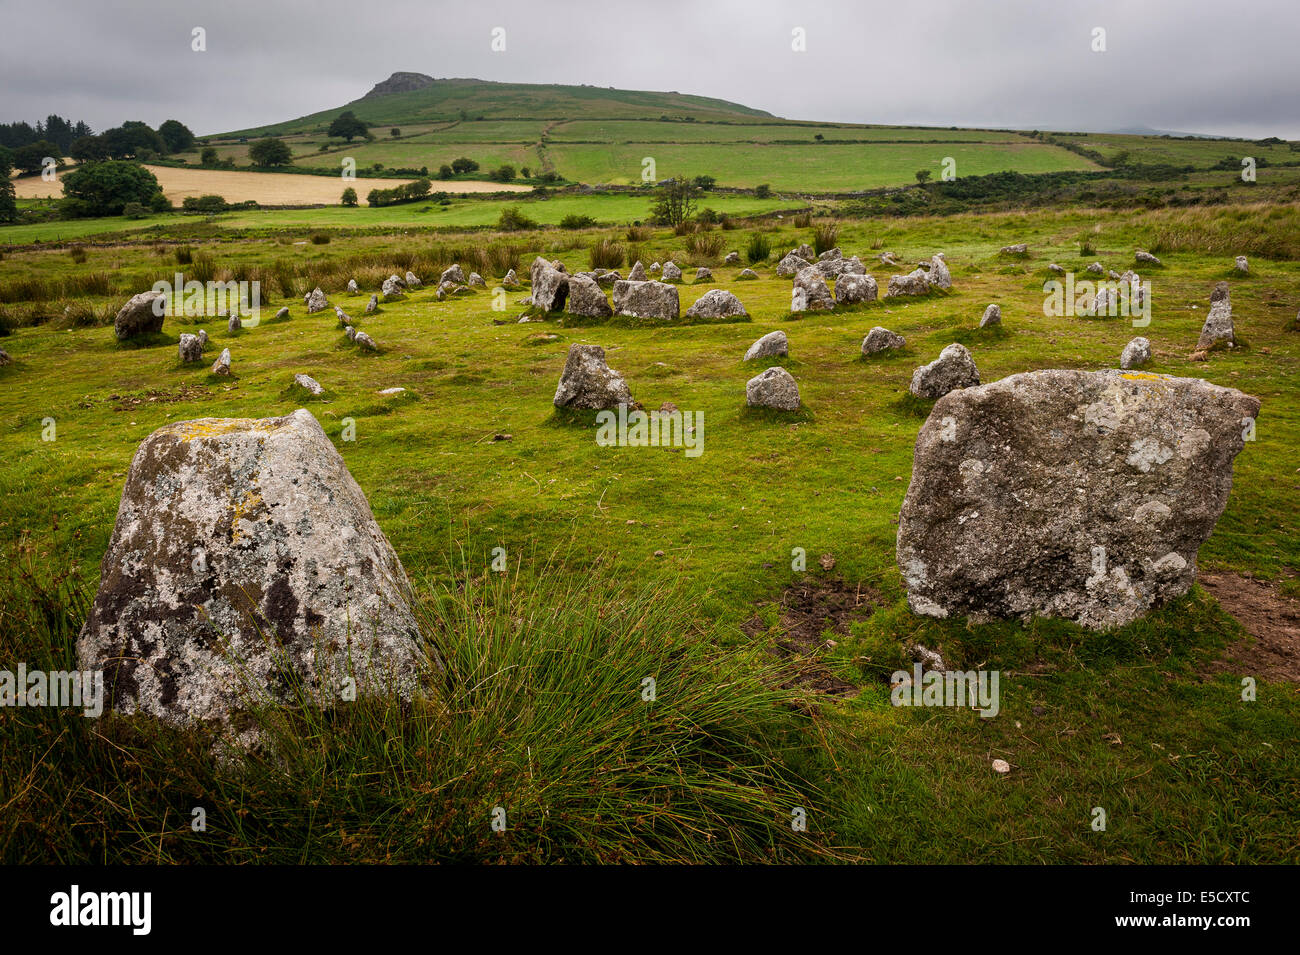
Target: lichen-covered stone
(915,282)
(774,388)
(772,345)
(550,286)
(588,383)
(852,288)
(316,301)
(954,368)
(810,291)
(138,316)
(882,339)
(245,560)
(190,348)
(1136,353)
(453,273)
(717,303)
(1071,494)
(586,298)
(647,300)
(992,316)
(1217,331)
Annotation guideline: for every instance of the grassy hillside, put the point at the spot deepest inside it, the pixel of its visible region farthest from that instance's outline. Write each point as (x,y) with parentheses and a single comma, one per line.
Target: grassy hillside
(449,99)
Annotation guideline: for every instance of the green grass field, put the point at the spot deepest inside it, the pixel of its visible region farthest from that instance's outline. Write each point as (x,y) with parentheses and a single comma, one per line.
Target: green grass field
(1133,720)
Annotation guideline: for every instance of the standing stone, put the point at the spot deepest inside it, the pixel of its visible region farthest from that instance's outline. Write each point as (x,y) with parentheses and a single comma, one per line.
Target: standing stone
(234,324)
(351,333)
(791,265)
(586,298)
(222,365)
(1136,353)
(316,301)
(1217,330)
(816,294)
(411,280)
(372,306)
(352,286)
(774,388)
(246,560)
(342,316)
(550,286)
(5,358)
(282,314)
(190,348)
(1242,265)
(452,274)
(1020,248)
(203,338)
(1095,269)
(1055,269)
(365,341)
(731,258)
(638,273)
(939,276)
(913,283)
(1146,258)
(954,368)
(854,289)
(656,267)
(703,275)
(805,252)
(309,384)
(771,345)
(882,339)
(476,281)
(1065,493)
(992,316)
(588,383)
(392,289)
(137,317)
(646,300)
(717,303)
(747,275)
(510,279)
(671,272)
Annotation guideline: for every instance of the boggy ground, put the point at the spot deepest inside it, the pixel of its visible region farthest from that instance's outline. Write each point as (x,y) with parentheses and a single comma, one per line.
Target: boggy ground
(1141,722)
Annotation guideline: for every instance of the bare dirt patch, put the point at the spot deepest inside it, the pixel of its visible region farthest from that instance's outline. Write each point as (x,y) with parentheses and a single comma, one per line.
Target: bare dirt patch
(1270,617)
(806,611)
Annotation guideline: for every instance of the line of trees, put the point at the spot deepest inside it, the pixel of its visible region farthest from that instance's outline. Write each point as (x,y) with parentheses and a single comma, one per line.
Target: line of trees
(63,133)
(409,192)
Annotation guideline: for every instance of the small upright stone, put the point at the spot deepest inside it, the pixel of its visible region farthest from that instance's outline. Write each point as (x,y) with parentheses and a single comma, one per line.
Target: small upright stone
(412,281)
(1242,265)
(587,382)
(954,368)
(854,289)
(774,388)
(190,348)
(772,345)
(316,301)
(222,365)
(352,286)
(372,306)
(882,339)
(992,316)
(703,275)
(1146,258)
(671,272)
(365,341)
(731,258)
(309,384)
(452,274)
(717,303)
(282,314)
(1217,330)
(1136,354)
(234,324)
(638,272)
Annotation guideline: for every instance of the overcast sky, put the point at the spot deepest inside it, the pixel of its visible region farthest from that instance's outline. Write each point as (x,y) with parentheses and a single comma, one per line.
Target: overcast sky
(1183,65)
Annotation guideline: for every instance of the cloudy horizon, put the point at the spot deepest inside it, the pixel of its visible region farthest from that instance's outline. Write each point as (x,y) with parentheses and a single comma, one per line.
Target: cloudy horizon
(1168,65)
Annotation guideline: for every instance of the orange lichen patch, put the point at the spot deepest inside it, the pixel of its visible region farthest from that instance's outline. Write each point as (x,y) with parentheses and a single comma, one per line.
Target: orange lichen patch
(1143,376)
(215,427)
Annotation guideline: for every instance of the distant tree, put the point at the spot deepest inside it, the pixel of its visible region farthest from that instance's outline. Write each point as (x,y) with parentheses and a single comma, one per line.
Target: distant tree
(762,191)
(104,188)
(347,126)
(8,204)
(31,158)
(176,135)
(923,176)
(819,137)
(209,156)
(135,210)
(270,152)
(525,173)
(463,165)
(705,182)
(88,148)
(130,139)
(445,171)
(676,202)
(349,196)
(394,132)
(504,173)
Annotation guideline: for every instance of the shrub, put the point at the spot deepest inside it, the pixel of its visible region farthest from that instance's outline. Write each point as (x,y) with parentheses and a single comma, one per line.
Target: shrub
(320,238)
(204,205)
(573,221)
(184,255)
(802,220)
(463,165)
(638,233)
(504,173)
(704,247)
(763,192)
(208,157)
(502,257)
(758,249)
(134,210)
(512,220)
(606,254)
(104,188)
(203,268)
(349,196)
(77,254)
(825,237)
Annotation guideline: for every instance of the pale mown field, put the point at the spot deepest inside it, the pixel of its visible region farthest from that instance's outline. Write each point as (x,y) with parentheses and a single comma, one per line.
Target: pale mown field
(266,188)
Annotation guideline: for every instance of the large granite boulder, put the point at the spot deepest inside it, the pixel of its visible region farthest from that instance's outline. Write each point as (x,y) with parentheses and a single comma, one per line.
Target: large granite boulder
(316,301)
(140,316)
(393,288)
(246,561)
(453,273)
(671,273)
(1135,354)
(774,388)
(1063,493)
(586,298)
(954,368)
(810,291)
(550,285)
(791,265)
(939,276)
(916,282)
(587,382)
(647,300)
(717,303)
(852,288)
